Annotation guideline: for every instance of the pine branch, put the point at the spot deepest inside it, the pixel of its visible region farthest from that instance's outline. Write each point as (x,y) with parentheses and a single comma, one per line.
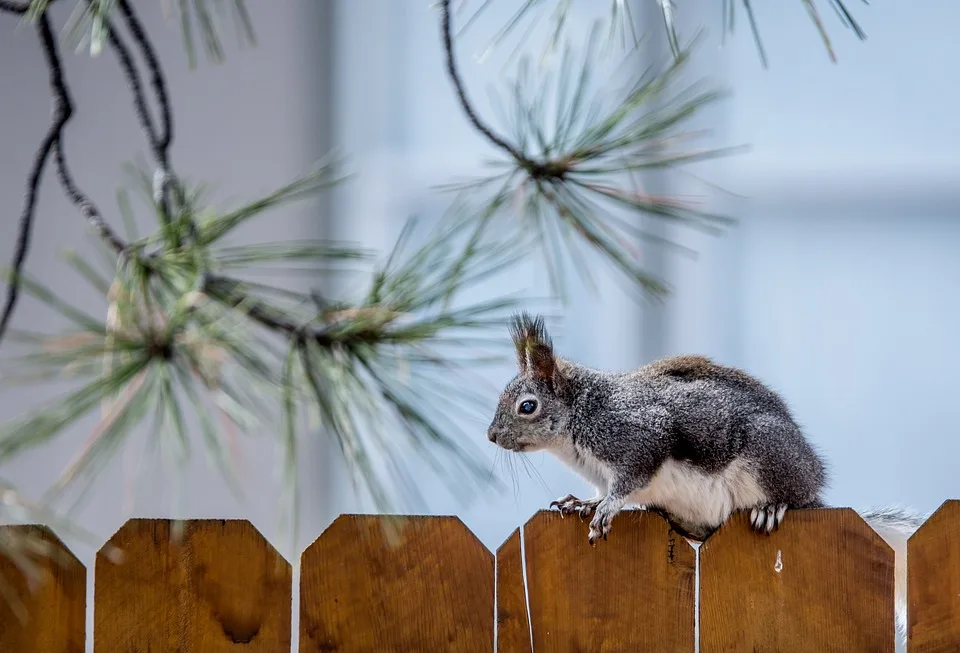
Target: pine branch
(565,181)
(170,319)
(159,139)
(180,325)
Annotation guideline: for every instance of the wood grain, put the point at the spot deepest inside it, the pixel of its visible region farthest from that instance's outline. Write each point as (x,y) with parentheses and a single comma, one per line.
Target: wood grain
(513,627)
(53,614)
(427,588)
(822,582)
(933,583)
(633,592)
(220,588)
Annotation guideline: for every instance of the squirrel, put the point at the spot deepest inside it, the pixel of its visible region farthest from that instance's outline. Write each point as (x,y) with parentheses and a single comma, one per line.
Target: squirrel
(691,439)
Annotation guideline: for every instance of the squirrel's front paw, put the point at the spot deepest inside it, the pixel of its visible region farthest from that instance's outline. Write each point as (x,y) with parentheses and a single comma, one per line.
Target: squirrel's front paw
(600,524)
(570,504)
(766,519)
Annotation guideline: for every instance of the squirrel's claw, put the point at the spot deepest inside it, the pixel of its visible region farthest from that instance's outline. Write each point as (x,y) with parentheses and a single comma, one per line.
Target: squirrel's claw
(766,519)
(600,525)
(562,503)
(570,504)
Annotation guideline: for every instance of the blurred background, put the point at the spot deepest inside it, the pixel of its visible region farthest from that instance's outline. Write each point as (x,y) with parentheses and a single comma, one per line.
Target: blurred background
(837,287)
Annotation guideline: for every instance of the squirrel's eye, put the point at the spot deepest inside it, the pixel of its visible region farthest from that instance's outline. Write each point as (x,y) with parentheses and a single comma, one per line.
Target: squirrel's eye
(527,407)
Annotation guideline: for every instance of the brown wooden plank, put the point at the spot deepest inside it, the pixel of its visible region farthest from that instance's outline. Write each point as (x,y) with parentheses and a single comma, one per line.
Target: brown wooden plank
(632,592)
(513,627)
(220,588)
(425,587)
(822,582)
(50,616)
(933,583)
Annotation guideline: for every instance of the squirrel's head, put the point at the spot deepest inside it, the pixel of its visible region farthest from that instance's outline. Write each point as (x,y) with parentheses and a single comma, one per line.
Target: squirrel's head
(534,408)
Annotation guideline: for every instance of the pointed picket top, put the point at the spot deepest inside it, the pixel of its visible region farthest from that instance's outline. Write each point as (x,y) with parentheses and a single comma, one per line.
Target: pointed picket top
(420,583)
(214,586)
(933,602)
(392,525)
(631,592)
(44,611)
(823,581)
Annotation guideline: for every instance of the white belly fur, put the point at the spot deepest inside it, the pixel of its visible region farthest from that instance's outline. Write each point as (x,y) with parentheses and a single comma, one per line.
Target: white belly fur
(680,489)
(696,497)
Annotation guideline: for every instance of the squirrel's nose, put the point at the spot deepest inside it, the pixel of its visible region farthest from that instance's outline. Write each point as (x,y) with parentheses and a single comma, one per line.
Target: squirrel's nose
(492,434)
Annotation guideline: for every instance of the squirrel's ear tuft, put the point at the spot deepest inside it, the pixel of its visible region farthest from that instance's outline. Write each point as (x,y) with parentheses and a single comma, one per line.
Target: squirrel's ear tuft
(533,345)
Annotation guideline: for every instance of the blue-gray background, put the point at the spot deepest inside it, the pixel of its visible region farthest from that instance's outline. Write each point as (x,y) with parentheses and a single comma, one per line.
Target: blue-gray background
(838,287)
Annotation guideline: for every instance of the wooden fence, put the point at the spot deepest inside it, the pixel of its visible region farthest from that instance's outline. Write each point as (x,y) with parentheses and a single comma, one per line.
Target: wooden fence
(824,582)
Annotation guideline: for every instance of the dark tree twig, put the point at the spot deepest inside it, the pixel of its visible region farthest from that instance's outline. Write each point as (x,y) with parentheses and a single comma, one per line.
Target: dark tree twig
(227,292)
(25,228)
(84,203)
(165,184)
(158,139)
(499,141)
(159,142)
(64,104)
(157,80)
(14,7)
(52,141)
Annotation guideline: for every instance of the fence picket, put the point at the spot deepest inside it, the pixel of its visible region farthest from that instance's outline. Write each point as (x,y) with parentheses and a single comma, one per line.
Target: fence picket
(377,583)
(933,583)
(632,592)
(822,582)
(220,588)
(53,618)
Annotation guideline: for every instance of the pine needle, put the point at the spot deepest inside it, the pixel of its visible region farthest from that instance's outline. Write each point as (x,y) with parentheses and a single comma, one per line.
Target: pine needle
(728,15)
(575,147)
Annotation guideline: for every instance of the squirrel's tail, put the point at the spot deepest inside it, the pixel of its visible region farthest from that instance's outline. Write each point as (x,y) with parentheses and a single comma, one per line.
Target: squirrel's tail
(895,526)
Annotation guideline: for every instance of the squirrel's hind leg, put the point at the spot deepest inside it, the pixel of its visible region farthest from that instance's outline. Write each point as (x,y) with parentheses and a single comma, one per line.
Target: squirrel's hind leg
(766,519)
